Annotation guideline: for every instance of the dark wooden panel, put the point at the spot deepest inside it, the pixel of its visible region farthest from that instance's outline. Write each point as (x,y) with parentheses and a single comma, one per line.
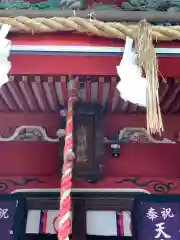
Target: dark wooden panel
(42,203)
(79,221)
(88,141)
(40,237)
(123,204)
(91,201)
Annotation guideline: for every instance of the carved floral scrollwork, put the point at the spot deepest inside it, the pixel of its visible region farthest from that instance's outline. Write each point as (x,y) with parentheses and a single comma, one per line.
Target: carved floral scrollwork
(29,133)
(42,5)
(159,187)
(140,135)
(4,183)
(3,186)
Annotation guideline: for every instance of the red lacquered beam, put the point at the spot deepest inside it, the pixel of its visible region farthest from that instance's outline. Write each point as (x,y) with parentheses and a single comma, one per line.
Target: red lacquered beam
(65,222)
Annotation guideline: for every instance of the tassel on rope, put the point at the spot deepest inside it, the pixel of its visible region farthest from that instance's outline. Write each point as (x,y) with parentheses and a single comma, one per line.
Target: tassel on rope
(65,220)
(146,60)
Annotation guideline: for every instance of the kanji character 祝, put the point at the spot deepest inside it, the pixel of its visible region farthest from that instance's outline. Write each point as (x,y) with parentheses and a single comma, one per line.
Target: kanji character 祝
(167,213)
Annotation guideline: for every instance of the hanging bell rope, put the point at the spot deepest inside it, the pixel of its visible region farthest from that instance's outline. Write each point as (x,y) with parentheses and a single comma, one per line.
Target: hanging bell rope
(146,60)
(65,211)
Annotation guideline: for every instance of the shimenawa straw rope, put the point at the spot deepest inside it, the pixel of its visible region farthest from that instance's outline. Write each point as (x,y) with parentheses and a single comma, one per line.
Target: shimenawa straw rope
(89,26)
(146,60)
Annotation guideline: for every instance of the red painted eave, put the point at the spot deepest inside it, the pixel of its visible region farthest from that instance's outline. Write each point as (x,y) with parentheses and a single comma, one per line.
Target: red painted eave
(33,94)
(39,82)
(75,40)
(63,40)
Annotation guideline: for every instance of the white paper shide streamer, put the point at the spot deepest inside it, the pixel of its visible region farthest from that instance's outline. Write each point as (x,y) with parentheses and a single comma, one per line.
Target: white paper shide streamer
(132,85)
(5,46)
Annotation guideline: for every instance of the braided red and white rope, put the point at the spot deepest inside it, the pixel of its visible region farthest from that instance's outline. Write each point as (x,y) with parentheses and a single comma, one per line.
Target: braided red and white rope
(65,220)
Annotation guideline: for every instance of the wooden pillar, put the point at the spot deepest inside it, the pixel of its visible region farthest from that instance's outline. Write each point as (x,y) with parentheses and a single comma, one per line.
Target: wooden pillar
(79,220)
